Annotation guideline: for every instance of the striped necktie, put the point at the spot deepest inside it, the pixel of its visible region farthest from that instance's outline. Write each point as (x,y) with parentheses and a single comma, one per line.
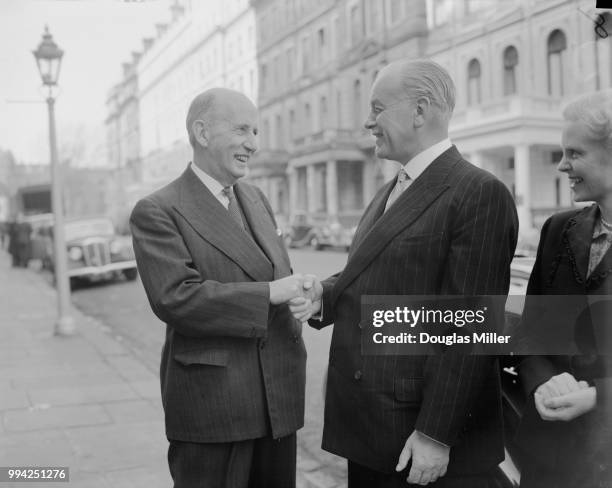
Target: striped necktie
(403,182)
(233,208)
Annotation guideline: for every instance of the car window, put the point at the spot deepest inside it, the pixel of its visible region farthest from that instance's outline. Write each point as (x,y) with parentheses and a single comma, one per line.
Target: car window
(87,228)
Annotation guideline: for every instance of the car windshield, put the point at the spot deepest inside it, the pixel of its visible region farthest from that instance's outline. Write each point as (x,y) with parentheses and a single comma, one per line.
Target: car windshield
(88,228)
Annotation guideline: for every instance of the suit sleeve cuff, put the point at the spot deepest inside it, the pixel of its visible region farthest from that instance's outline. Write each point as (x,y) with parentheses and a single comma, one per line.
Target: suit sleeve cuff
(432,439)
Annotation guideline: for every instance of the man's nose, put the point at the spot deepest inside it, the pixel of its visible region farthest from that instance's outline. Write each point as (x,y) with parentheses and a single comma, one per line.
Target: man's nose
(370,122)
(251,143)
(563,165)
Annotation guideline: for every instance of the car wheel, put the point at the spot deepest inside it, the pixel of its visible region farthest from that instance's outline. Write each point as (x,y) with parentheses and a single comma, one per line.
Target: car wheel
(314,242)
(130,274)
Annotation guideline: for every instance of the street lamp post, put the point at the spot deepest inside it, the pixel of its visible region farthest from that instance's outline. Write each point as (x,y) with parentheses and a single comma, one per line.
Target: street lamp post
(49,58)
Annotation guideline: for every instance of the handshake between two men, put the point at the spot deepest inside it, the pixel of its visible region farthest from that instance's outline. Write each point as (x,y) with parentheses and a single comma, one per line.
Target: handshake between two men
(302,293)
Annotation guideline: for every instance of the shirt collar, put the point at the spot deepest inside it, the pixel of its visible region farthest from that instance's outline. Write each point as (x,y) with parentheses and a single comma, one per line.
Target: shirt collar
(600,230)
(213,185)
(421,161)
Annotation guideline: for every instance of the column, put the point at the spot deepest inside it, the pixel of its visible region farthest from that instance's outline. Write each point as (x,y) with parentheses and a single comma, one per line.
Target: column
(332,189)
(310,189)
(523,187)
(292,180)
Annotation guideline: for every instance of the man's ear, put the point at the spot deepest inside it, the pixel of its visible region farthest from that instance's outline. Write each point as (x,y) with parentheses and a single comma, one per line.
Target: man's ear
(200,132)
(421,111)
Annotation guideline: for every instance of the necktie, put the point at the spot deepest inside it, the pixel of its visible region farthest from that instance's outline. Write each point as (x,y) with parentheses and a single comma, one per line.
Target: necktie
(233,208)
(403,182)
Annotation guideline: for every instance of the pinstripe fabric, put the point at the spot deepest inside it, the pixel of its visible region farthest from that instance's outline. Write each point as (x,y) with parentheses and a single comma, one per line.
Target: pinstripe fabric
(453,231)
(232,367)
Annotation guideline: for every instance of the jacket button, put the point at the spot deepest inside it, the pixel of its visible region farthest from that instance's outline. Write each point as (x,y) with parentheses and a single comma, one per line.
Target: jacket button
(262,344)
(360,325)
(357,375)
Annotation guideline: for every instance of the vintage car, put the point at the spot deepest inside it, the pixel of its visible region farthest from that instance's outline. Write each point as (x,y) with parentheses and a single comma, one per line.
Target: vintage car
(305,231)
(95,252)
(333,234)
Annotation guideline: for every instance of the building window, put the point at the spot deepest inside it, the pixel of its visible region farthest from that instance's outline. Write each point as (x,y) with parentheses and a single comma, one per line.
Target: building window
(323,113)
(337,35)
(357,104)
(305,55)
(292,131)
(603,55)
(276,68)
(442,12)
(474,92)
(555,157)
(307,127)
(510,63)
(557,45)
(321,45)
(280,136)
(264,78)
(356,23)
(290,56)
(395,10)
(374,16)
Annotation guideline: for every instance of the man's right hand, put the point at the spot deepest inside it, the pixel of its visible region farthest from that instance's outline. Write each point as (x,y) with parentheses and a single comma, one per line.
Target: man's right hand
(308,305)
(284,289)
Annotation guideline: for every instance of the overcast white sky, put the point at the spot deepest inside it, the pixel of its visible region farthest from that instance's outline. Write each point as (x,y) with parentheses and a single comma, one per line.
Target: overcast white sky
(97,36)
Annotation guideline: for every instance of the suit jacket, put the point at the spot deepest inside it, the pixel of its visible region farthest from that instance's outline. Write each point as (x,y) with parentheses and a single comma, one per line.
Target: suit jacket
(233,366)
(580,448)
(453,231)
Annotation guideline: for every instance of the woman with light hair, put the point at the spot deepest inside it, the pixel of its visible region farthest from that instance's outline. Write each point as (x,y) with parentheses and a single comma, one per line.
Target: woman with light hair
(566,429)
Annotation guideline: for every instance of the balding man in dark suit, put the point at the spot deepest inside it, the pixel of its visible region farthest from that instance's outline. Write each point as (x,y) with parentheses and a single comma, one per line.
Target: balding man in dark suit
(216,272)
(441,227)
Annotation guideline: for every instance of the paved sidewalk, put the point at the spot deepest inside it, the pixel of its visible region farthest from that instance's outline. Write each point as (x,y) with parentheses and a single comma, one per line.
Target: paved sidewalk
(84,401)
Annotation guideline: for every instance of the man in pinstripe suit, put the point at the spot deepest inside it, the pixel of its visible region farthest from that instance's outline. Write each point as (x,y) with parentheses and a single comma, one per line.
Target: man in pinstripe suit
(442,227)
(217,273)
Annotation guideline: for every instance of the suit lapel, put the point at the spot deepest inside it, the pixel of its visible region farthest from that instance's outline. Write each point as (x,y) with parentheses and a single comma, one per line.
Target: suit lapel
(372,213)
(421,194)
(579,237)
(211,220)
(263,229)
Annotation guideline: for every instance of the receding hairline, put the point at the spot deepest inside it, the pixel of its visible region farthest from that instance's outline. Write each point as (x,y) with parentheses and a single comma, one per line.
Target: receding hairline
(205,105)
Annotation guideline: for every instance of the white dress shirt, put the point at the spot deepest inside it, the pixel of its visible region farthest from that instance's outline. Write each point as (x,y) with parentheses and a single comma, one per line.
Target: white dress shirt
(421,161)
(213,185)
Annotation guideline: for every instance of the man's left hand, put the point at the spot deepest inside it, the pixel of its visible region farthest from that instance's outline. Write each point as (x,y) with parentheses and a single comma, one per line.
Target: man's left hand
(429,459)
(569,406)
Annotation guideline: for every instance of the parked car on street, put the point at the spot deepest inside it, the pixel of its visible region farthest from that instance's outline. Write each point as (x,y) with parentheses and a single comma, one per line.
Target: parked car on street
(95,252)
(304,231)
